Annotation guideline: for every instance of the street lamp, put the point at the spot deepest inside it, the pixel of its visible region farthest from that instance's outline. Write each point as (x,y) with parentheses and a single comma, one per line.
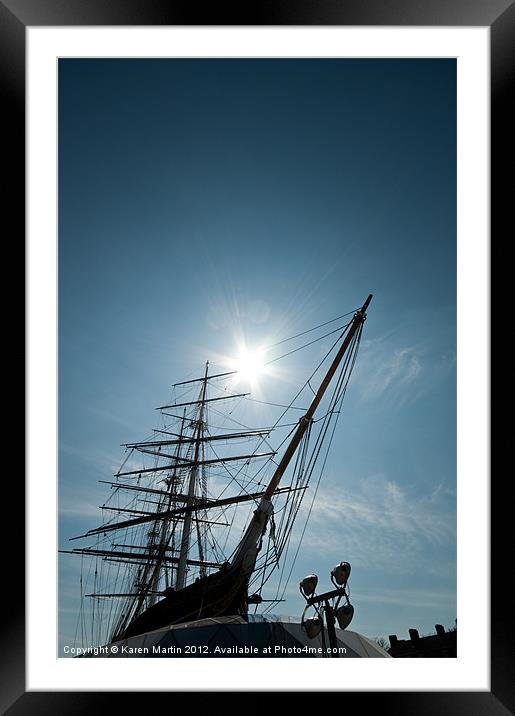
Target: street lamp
(327,606)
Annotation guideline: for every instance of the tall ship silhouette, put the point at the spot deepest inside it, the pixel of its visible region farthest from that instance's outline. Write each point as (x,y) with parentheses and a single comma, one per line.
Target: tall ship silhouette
(199,520)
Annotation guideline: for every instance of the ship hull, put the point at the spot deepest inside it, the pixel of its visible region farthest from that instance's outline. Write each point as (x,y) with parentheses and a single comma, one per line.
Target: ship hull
(220,594)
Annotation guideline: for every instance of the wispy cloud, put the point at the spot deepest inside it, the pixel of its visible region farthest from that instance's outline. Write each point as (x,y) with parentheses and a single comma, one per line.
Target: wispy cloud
(393,370)
(97,461)
(416,598)
(380,524)
(69,507)
(399,367)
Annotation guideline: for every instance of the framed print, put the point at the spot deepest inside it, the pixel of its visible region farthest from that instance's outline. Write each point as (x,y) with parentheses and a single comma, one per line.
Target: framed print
(215,189)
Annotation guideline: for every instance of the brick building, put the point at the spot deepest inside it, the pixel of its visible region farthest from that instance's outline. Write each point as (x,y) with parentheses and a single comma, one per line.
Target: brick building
(440,644)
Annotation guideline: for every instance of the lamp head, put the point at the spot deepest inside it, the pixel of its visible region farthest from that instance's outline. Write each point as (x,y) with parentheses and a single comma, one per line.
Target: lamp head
(312,626)
(308,585)
(341,573)
(344,615)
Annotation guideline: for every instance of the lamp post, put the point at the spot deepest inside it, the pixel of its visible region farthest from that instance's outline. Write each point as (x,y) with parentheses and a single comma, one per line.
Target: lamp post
(330,609)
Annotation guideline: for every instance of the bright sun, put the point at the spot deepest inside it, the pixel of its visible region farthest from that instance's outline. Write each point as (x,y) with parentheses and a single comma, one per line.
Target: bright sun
(249,364)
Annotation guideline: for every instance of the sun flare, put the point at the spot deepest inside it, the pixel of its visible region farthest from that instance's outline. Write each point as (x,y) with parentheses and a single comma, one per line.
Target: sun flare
(250,365)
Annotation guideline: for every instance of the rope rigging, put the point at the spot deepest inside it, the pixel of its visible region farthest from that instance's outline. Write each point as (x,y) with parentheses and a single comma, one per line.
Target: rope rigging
(333,412)
(134,578)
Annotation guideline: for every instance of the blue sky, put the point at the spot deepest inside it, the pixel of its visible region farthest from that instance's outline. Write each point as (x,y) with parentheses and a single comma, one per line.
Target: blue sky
(200,200)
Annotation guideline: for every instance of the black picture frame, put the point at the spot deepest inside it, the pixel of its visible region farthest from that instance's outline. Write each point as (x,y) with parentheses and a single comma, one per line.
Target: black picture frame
(499,16)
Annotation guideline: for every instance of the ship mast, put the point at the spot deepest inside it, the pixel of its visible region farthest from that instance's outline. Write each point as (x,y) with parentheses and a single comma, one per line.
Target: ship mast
(245,556)
(186,531)
(164,541)
(183,456)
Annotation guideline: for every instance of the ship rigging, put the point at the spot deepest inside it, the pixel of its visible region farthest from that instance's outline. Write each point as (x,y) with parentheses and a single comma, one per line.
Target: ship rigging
(197,526)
